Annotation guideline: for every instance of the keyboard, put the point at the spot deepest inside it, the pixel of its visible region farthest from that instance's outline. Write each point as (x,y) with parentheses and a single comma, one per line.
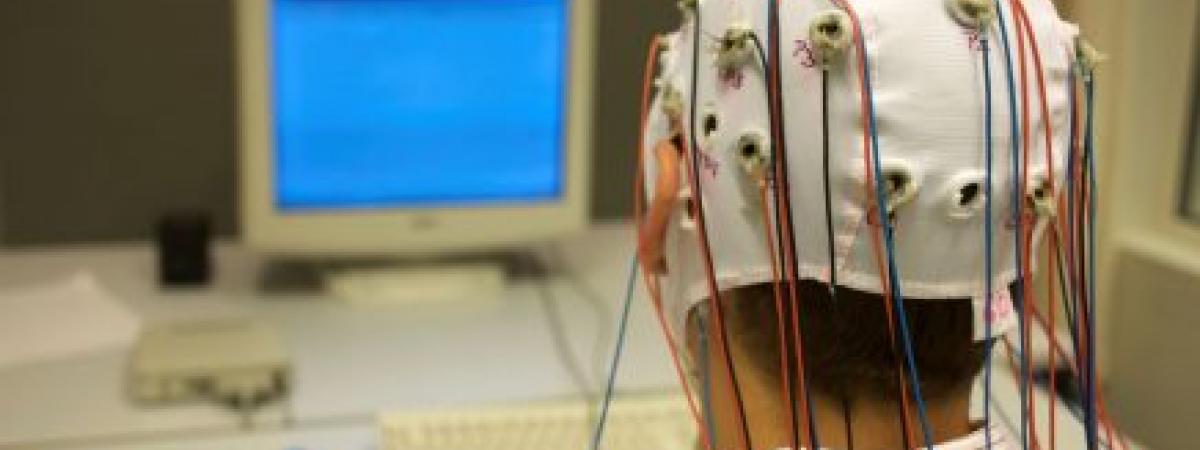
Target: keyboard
(635,423)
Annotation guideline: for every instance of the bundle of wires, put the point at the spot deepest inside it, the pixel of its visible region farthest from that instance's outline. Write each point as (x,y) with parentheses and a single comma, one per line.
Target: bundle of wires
(1071,226)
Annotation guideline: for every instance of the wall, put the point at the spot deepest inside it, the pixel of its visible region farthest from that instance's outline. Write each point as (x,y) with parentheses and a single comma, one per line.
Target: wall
(1149,255)
(115,111)
(1191,200)
(112,112)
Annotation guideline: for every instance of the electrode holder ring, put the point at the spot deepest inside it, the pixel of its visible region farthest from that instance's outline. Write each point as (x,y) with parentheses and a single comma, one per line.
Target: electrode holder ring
(831,33)
(974,14)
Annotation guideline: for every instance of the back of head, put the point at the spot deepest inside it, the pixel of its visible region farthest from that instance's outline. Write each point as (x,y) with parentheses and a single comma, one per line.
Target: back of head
(848,344)
(893,163)
(844,160)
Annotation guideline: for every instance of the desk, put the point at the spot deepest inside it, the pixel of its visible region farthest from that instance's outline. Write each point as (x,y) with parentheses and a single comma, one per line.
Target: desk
(349,363)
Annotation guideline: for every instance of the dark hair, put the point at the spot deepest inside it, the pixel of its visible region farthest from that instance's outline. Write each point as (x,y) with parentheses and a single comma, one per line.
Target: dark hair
(848,350)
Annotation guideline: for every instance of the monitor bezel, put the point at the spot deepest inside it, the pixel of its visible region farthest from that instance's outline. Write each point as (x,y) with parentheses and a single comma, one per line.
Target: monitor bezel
(403,230)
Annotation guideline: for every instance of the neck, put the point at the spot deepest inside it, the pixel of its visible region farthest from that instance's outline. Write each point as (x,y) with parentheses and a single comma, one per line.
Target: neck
(877,424)
(860,424)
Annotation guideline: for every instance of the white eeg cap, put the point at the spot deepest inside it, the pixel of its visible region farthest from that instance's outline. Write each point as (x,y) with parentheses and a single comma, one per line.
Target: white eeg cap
(927,77)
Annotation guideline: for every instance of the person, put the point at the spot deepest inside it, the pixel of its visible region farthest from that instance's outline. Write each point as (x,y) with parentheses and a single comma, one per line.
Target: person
(771,289)
(856,400)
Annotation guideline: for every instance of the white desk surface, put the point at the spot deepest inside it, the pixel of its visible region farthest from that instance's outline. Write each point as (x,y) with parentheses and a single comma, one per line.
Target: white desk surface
(349,364)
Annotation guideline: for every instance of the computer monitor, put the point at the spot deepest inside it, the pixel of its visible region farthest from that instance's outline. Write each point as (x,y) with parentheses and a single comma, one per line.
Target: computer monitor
(379,127)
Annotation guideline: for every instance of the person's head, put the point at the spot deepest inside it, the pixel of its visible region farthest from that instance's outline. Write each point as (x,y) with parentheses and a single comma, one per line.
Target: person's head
(850,355)
(889,172)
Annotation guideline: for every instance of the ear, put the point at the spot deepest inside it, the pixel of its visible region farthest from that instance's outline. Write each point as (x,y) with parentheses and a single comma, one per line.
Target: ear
(653,230)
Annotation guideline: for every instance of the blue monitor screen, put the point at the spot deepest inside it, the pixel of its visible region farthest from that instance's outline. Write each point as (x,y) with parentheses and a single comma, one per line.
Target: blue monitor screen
(418,103)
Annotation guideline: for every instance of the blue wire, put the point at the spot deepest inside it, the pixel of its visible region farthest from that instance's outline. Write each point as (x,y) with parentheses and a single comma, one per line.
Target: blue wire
(1017,354)
(987,230)
(616,359)
(893,276)
(1019,288)
(1089,153)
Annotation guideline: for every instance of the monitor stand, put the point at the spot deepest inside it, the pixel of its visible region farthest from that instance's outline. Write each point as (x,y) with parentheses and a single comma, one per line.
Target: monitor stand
(434,284)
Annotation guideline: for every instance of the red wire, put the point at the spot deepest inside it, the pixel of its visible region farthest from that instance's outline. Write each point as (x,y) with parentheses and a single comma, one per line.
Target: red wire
(797,339)
(1039,71)
(1056,347)
(1074,178)
(782,323)
(1076,217)
(876,235)
(711,276)
(656,301)
(1051,258)
(1027,237)
(714,294)
(1023,22)
(1103,415)
(787,238)
(1102,405)
(651,285)
(1025,28)
(796,336)
(1082,294)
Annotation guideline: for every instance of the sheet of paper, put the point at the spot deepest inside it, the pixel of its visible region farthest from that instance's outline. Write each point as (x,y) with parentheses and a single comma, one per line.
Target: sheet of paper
(64,318)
